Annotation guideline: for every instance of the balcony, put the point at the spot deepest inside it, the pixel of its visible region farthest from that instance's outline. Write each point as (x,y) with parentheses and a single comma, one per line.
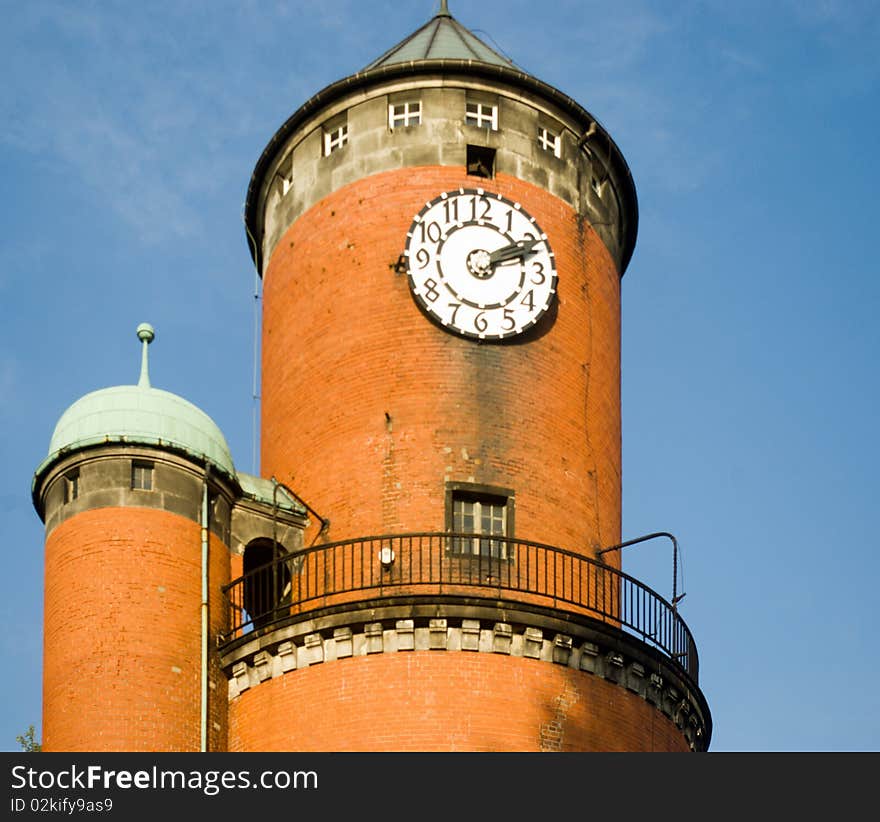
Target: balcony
(450,568)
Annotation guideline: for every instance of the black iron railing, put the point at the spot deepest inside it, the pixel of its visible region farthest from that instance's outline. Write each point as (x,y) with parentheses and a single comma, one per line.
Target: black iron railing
(370,569)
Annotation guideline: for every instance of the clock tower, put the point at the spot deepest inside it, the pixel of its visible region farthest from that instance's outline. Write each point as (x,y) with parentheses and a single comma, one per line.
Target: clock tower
(441,239)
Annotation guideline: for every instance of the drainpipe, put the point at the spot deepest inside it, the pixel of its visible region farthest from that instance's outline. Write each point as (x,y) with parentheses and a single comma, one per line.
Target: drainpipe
(203,724)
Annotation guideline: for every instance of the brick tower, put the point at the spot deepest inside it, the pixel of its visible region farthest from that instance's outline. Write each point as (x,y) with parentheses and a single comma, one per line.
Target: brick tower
(441,238)
(145,517)
(430,559)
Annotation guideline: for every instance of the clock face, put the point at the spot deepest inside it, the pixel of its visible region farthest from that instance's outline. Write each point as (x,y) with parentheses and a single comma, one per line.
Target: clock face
(479,264)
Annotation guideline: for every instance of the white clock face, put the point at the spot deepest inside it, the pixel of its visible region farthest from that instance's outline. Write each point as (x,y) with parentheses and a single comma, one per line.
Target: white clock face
(479,264)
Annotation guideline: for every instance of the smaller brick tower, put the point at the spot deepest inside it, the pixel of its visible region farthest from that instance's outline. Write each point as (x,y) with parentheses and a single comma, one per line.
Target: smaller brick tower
(145,517)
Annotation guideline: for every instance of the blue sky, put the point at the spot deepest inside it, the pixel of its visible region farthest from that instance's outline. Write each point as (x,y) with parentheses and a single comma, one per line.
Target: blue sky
(128,133)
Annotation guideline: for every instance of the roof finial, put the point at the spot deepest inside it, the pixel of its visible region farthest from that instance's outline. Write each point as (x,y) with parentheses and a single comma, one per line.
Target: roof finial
(145,334)
(444,9)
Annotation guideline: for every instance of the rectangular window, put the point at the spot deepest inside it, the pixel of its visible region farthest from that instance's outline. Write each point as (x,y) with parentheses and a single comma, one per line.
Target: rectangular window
(335,139)
(71,485)
(142,476)
(549,141)
(483,115)
(404,114)
(477,516)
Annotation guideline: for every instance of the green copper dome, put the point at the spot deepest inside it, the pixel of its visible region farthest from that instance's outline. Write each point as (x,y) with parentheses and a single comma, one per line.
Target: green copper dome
(140,415)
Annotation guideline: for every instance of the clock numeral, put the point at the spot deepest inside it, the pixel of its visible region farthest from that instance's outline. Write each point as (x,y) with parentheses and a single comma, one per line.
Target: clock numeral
(538,272)
(450,207)
(422,257)
(528,301)
(454,307)
(508,322)
(431,291)
(480,321)
(431,233)
(484,203)
(510,221)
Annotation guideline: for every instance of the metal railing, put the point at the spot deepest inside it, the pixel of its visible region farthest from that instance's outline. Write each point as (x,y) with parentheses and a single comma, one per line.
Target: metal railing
(370,569)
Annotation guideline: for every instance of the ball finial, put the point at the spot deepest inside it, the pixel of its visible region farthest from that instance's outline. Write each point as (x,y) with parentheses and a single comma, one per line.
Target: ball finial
(146,333)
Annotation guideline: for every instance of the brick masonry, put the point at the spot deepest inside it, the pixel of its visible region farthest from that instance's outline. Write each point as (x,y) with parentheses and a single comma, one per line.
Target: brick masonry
(122,623)
(344,345)
(654,700)
(428,700)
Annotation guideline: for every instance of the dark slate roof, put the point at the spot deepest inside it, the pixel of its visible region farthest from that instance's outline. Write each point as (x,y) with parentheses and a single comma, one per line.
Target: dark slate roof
(441,38)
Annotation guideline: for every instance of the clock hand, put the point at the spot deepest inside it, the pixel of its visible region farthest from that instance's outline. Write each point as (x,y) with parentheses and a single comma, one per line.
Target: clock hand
(510,252)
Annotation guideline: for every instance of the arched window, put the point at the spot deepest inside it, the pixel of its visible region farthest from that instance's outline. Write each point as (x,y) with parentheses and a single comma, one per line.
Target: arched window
(266,582)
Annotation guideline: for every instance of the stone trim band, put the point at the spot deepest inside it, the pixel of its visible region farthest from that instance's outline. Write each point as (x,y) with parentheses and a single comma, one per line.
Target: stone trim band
(474,636)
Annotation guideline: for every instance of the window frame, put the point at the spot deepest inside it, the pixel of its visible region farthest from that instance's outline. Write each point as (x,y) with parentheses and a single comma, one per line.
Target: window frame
(404,120)
(140,469)
(545,143)
(478,117)
(480,495)
(335,138)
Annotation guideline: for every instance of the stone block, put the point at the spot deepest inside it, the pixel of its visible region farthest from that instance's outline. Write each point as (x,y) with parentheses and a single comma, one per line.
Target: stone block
(241,677)
(502,637)
(470,635)
(373,635)
(287,656)
(263,665)
(406,640)
(635,678)
(589,657)
(313,649)
(561,649)
(533,640)
(342,637)
(438,634)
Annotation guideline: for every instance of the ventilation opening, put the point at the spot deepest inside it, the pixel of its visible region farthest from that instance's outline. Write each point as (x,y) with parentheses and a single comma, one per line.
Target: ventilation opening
(480,161)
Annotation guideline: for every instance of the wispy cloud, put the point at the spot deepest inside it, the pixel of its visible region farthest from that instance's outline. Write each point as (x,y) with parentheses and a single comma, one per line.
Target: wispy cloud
(136,113)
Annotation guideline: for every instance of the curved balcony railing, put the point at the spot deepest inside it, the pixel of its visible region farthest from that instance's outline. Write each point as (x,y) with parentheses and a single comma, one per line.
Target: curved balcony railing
(435,565)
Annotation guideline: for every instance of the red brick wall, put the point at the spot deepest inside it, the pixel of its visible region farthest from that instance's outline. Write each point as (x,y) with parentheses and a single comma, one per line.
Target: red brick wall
(344,343)
(445,701)
(122,625)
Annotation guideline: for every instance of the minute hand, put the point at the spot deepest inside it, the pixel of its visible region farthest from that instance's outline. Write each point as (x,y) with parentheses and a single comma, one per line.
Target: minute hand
(510,252)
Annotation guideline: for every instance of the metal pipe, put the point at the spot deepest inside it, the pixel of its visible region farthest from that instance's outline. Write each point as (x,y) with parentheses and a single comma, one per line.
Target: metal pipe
(325,523)
(203,723)
(675,598)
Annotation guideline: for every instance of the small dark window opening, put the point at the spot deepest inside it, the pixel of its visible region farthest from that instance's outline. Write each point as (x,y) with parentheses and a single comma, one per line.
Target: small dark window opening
(71,485)
(142,476)
(266,582)
(480,161)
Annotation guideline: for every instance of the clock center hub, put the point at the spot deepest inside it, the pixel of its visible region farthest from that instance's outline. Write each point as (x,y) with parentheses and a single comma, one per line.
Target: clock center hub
(479,264)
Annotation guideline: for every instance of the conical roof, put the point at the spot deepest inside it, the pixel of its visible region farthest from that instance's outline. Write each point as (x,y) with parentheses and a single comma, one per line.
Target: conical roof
(442,46)
(441,38)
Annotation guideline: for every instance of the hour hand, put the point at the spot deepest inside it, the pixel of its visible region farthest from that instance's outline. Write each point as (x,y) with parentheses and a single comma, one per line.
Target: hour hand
(512,251)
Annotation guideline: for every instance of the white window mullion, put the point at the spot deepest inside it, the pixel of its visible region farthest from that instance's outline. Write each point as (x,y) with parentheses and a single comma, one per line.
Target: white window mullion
(404,114)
